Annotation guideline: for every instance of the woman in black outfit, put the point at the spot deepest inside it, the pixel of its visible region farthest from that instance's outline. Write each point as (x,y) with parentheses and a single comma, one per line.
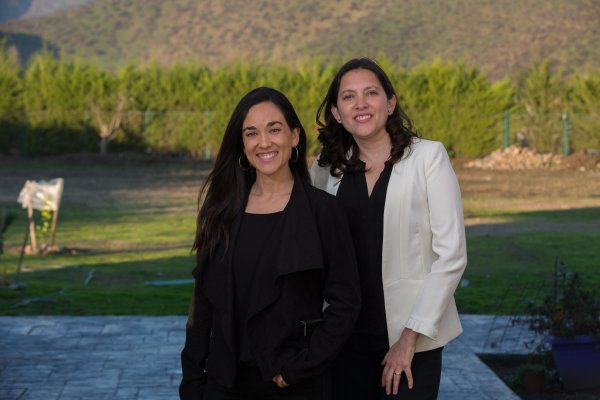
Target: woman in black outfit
(276,286)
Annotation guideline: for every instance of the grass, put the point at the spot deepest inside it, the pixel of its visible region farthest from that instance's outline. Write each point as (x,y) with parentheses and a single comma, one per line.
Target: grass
(587,214)
(128,249)
(507,271)
(145,230)
(118,250)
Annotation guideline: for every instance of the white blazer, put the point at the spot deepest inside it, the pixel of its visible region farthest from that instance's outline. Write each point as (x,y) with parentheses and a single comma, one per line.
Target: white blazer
(424,247)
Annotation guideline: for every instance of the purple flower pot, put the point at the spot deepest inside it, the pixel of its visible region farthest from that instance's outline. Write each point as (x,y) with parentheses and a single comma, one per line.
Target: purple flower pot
(577,360)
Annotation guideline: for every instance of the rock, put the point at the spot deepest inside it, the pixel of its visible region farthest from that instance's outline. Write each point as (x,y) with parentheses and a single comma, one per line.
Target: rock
(517,158)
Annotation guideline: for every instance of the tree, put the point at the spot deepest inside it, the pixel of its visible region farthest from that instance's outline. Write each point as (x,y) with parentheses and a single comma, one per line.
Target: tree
(11,87)
(109,122)
(541,94)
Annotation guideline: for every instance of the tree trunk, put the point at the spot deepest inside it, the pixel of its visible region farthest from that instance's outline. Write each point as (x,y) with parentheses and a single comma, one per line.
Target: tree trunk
(103,146)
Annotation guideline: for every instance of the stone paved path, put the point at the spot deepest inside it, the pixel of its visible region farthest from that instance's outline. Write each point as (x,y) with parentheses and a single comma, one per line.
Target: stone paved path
(72,358)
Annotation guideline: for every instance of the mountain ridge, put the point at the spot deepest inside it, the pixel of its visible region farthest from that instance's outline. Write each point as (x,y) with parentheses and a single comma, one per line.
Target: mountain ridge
(499,37)
(21,9)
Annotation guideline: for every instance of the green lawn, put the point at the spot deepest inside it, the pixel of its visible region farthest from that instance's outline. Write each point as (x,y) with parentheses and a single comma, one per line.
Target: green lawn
(116,251)
(507,271)
(118,248)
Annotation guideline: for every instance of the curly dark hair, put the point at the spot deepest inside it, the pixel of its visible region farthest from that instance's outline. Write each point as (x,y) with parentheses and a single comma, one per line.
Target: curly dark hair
(337,141)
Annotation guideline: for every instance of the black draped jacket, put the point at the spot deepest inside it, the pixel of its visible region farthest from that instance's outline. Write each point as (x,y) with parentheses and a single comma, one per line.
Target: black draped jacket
(314,277)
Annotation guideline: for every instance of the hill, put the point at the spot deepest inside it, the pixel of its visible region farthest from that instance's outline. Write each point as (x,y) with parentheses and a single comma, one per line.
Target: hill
(500,37)
(17,9)
(13,9)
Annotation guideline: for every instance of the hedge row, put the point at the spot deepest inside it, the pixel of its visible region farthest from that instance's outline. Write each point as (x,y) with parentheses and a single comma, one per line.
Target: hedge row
(47,107)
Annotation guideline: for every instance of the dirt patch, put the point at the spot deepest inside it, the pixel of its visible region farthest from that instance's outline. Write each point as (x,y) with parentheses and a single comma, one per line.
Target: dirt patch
(528,190)
(583,160)
(165,184)
(516,158)
(92,180)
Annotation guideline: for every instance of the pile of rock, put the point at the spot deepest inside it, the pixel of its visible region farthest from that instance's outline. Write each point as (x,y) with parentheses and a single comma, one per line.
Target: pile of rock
(517,158)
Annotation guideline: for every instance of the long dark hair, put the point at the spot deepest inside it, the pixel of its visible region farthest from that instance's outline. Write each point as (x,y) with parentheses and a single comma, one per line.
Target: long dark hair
(226,189)
(337,141)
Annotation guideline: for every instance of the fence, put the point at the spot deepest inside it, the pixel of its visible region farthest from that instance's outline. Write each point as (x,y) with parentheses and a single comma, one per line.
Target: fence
(553,133)
(199,132)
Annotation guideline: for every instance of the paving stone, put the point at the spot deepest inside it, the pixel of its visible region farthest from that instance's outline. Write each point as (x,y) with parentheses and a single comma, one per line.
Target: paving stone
(41,394)
(134,358)
(127,393)
(15,393)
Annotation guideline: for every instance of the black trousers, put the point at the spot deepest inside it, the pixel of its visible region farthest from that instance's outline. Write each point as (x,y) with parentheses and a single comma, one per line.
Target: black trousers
(249,385)
(356,372)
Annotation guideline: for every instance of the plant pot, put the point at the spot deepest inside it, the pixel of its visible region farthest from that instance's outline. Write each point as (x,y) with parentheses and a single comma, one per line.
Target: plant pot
(533,382)
(577,360)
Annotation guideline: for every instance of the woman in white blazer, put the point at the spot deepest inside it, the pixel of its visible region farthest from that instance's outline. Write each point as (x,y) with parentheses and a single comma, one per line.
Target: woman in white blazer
(403,203)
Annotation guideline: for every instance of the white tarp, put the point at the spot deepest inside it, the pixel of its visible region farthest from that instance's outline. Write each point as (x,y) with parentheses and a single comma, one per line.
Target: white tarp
(42,195)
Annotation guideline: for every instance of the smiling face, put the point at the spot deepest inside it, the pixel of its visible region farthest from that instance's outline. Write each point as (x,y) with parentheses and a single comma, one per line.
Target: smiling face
(268,140)
(362,105)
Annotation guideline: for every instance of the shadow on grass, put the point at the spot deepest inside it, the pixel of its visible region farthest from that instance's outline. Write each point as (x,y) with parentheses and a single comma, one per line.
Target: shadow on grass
(511,263)
(103,289)
(507,266)
(571,220)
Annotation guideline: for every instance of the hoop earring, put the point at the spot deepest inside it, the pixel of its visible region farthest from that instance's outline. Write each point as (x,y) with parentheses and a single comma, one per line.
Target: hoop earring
(241,166)
(294,159)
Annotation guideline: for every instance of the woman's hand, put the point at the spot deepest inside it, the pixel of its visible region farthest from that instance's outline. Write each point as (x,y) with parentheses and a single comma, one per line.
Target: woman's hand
(278,379)
(398,360)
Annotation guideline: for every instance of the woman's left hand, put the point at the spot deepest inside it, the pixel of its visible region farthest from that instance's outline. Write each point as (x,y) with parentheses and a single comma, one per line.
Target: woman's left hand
(278,379)
(397,360)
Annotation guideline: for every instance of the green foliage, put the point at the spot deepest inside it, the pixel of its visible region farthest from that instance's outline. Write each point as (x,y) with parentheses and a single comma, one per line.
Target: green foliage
(11,86)
(457,105)
(541,95)
(43,227)
(584,103)
(54,105)
(569,309)
(54,100)
(186,107)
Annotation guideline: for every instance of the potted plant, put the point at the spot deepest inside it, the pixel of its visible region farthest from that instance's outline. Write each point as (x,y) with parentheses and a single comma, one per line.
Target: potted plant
(531,376)
(570,317)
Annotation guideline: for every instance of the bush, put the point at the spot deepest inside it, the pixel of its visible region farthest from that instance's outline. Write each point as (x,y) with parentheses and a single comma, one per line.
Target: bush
(541,97)
(455,104)
(11,87)
(47,108)
(584,103)
(569,310)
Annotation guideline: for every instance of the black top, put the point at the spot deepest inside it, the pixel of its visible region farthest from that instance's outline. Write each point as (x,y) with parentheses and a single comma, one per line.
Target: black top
(314,262)
(365,217)
(254,249)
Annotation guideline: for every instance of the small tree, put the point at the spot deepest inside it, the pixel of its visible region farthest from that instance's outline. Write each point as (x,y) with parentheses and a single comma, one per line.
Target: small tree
(11,87)
(109,122)
(584,102)
(541,95)
(455,103)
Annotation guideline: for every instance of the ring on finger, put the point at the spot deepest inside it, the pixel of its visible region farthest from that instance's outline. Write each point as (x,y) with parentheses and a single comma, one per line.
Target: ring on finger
(397,373)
